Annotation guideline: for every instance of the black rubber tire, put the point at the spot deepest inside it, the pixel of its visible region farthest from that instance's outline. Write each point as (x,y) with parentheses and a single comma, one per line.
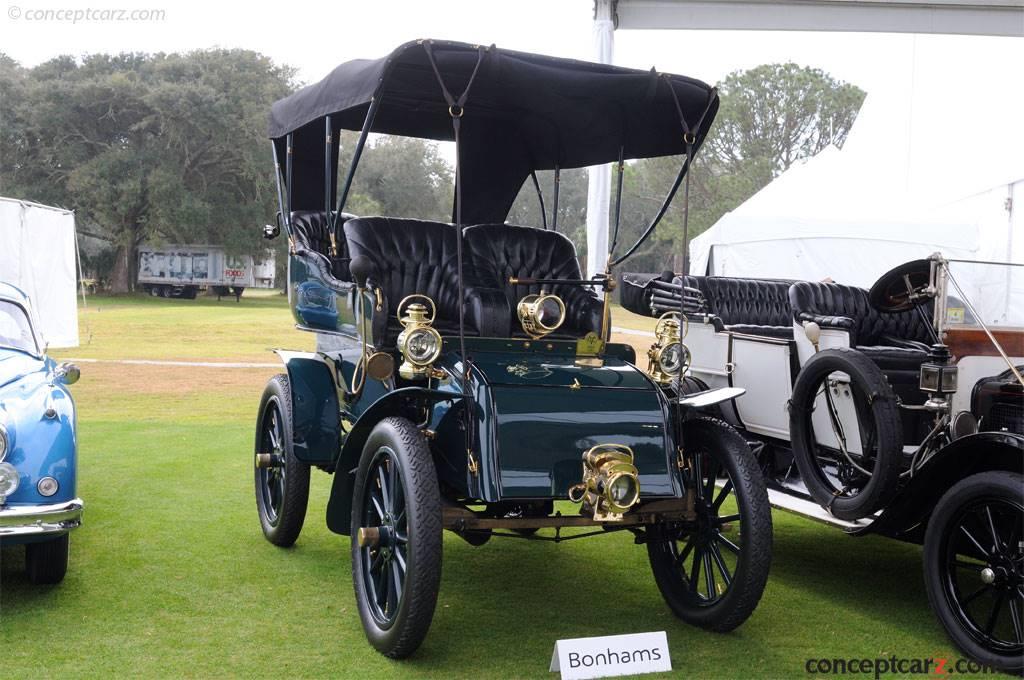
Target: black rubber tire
(403,635)
(883,408)
(1001,486)
(283,525)
(715,438)
(47,562)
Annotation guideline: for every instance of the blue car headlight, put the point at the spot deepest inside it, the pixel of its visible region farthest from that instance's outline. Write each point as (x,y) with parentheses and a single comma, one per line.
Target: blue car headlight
(5,442)
(8,479)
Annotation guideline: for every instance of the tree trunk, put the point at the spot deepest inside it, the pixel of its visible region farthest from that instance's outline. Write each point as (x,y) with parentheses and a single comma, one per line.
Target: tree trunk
(121,280)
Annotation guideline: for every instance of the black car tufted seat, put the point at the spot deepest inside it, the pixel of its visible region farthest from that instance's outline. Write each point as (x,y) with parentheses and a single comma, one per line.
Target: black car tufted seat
(749,306)
(897,342)
(505,251)
(312,235)
(415,256)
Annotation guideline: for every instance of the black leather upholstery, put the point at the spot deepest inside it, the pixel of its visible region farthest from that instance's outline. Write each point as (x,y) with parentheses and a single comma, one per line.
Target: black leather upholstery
(312,234)
(896,341)
(838,306)
(750,306)
(416,256)
(503,251)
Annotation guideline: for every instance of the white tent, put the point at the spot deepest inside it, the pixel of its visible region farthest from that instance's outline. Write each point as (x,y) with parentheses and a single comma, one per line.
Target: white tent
(37,254)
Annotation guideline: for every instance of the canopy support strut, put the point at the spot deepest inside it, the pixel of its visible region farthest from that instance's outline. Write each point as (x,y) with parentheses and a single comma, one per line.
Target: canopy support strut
(554,208)
(540,197)
(371,113)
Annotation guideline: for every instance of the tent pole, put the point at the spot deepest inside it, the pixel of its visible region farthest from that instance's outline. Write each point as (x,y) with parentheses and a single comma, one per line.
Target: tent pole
(600,176)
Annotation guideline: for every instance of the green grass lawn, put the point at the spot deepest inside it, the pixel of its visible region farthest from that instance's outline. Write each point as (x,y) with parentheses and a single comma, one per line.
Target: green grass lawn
(170,575)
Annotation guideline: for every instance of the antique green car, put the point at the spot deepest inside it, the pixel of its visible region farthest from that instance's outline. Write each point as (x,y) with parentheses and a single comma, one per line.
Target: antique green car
(463,377)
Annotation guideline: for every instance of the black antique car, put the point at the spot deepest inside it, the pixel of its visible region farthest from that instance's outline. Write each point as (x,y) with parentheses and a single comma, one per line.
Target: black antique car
(463,377)
(895,411)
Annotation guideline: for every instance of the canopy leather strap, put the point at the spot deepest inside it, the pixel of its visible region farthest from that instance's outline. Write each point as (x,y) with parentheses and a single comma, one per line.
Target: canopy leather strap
(456,109)
(689,138)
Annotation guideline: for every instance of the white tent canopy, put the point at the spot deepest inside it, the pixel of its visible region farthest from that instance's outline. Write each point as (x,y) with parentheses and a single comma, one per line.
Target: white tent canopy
(37,254)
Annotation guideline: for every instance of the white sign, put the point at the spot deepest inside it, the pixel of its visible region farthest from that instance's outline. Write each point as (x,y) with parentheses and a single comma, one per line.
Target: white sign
(603,657)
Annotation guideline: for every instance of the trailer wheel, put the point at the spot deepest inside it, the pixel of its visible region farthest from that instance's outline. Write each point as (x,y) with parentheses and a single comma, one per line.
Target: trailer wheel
(396,538)
(282,485)
(848,484)
(974,567)
(712,572)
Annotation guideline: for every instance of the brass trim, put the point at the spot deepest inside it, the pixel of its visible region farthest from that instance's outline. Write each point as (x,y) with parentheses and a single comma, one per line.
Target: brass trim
(528,311)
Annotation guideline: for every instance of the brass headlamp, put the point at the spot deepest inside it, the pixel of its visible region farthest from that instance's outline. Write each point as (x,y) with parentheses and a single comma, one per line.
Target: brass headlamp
(419,342)
(611,483)
(668,356)
(540,314)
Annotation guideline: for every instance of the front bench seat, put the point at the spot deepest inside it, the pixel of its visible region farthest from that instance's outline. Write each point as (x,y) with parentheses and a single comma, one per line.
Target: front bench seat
(416,256)
(311,231)
(506,251)
(897,342)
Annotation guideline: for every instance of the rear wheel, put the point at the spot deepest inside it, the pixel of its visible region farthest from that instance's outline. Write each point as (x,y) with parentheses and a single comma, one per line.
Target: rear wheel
(396,538)
(282,483)
(849,483)
(974,567)
(47,562)
(713,571)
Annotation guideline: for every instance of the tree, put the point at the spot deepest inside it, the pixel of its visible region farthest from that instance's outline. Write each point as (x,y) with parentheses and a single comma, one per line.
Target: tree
(148,147)
(399,177)
(770,117)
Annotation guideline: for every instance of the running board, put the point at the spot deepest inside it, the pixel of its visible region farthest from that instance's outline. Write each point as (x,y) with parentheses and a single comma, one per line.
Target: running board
(811,510)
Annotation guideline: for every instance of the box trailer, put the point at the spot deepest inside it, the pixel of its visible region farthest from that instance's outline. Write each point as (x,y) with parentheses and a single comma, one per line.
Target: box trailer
(184,271)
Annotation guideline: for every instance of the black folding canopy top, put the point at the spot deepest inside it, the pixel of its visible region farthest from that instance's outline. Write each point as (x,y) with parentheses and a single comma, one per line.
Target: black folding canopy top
(523,112)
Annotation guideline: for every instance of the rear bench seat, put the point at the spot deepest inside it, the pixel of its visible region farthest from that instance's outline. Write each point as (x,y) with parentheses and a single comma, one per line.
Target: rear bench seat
(749,306)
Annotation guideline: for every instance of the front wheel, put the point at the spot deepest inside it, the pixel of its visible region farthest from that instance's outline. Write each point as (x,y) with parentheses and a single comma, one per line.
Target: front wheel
(713,571)
(47,562)
(974,567)
(396,538)
(282,480)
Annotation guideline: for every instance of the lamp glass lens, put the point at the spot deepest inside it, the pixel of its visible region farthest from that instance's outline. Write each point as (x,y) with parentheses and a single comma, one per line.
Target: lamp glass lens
(8,479)
(623,490)
(549,313)
(670,357)
(421,345)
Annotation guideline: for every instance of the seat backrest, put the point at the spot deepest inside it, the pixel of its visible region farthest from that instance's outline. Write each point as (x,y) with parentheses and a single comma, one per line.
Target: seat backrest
(871,327)
(505,251)
(760,302)
(409,256)
(312,231)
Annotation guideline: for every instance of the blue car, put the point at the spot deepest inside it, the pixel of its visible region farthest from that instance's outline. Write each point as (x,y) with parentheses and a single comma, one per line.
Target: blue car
(38,445)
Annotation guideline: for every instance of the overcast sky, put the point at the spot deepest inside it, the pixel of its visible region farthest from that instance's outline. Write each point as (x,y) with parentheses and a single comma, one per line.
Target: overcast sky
(965,88)
(315,37)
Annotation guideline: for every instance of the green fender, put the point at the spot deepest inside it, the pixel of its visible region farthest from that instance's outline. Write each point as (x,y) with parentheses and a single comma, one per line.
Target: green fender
(404,402)
(316,428)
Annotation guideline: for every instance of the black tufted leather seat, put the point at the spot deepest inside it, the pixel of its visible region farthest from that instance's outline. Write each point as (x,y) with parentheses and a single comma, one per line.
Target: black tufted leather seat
(503,251)
(837,306)
(750,306)
(312,233)
(416,256)
(897,341)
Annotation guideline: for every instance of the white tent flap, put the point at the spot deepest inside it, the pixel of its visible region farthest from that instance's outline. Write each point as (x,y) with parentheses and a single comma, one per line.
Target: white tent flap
(37,254)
